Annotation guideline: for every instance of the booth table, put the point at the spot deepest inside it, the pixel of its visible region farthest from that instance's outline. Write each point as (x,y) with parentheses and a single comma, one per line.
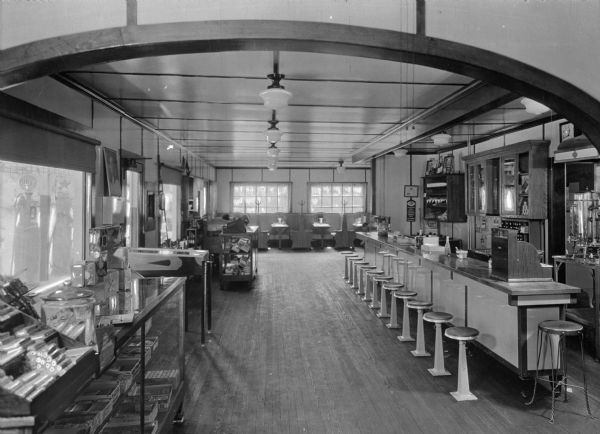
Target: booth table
(321,229)
(506,314)
(279,230)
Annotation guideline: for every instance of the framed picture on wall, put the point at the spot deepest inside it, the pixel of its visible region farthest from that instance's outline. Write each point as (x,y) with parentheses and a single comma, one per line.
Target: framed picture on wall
(112,172)
(411,190)
(568,131)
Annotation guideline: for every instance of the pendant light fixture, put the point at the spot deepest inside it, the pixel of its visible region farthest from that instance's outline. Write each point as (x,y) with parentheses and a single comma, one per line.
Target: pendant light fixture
(273,134)
(275,97)
(340,169)
(441,139)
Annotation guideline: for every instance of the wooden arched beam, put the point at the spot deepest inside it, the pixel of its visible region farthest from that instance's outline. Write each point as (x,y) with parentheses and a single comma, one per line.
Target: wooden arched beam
(51,56)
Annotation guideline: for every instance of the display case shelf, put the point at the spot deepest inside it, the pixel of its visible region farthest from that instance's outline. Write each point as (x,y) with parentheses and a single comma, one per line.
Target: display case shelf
(444,198)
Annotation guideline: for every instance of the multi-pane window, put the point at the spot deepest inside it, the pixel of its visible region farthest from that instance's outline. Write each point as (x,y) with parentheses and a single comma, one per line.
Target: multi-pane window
(338,197)
(260,197)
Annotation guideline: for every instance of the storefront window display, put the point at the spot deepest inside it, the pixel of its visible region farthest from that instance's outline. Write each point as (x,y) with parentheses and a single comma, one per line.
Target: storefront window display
(42,220)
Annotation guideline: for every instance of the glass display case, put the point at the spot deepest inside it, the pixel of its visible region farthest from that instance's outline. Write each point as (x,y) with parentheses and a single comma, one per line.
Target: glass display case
(444,198)
(147,372)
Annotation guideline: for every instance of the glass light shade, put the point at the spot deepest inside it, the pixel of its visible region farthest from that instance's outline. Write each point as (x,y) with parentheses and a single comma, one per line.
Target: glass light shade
(273,135)
(340,169)
(441,139)
(275,98)
(272,164)
(398,153)
(534,107)
(273,151)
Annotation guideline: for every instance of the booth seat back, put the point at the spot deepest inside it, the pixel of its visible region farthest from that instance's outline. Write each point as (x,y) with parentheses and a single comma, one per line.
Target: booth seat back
(293,220)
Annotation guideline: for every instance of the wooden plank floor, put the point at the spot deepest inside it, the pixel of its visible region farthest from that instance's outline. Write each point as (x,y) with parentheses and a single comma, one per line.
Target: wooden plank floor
(298,352)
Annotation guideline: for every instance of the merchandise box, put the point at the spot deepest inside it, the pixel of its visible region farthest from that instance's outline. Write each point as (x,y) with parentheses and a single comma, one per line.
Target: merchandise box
(101,389)
(159,394)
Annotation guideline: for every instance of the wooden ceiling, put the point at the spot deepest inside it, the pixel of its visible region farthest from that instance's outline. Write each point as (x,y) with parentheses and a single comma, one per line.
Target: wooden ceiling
(343,108)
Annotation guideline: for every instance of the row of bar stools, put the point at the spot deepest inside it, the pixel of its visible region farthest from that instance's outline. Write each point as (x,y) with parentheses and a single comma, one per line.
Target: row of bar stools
(362,270)
(391,287)
(347,255)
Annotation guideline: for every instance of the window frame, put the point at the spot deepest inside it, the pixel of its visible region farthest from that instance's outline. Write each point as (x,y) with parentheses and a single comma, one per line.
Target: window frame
(332,184)
(252,209)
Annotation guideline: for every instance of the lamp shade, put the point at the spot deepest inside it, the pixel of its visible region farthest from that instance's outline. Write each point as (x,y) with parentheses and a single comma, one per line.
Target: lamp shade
(272,164)
(399,153)
(275,98)
(441,139)
(273,151)
(340,169)
(534,107)
(273,135)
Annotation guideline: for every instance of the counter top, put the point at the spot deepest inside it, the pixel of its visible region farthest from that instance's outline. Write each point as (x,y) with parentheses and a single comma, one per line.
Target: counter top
(477,270)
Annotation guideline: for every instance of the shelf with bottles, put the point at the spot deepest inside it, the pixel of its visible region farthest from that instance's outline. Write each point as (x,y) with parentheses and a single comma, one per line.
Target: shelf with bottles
(443,198)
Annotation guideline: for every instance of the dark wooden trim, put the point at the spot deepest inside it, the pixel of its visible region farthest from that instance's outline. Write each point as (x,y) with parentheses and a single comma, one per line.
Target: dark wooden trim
(40,58)
(22,111)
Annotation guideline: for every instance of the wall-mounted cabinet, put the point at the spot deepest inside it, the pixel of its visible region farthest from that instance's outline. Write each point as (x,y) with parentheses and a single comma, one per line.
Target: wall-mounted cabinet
(444,198)
(510,181)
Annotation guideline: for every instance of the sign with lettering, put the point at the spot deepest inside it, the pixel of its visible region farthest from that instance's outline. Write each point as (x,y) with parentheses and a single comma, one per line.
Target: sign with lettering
(411,210)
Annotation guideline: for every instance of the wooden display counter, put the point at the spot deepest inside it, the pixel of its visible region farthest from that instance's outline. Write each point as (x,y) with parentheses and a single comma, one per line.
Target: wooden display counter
(505,313)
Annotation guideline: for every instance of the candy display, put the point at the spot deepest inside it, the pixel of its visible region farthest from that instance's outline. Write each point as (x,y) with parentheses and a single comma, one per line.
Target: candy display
(70,311)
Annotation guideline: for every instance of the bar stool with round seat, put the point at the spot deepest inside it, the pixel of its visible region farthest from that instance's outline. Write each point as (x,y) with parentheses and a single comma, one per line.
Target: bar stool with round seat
(420,307)
(381,253)
(355,276)
(351,261)
(405,295)
(438,318)
(552,334)
(462,335)
(390,257)
(362,269)
(347,254)
(391,287)
(401,272)
(369,275)
(378,280)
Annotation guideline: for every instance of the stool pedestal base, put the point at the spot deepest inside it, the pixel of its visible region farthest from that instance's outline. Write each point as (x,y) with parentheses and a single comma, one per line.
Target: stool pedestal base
(463,393)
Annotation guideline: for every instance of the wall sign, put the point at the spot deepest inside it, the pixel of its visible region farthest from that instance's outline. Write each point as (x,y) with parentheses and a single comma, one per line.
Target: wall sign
(411,190)
(411,210)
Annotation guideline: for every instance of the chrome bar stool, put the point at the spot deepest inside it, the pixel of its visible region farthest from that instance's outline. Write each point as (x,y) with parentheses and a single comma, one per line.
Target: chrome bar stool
(405,296)
(552,334)
(362,269)
(369,275)
(389,257)
(351,262)
(391,287)
(438,318)
(381,254)
(347,255)
(355,275)
(420,307)
(462,335)
(377,280)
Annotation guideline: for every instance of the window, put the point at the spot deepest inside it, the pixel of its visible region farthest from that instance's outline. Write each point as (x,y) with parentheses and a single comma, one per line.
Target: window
(42,221)
(171,214)
(338,197)
(250,198)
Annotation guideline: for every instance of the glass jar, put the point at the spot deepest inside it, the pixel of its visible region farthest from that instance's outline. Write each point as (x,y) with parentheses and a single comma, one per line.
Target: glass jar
(70,311)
